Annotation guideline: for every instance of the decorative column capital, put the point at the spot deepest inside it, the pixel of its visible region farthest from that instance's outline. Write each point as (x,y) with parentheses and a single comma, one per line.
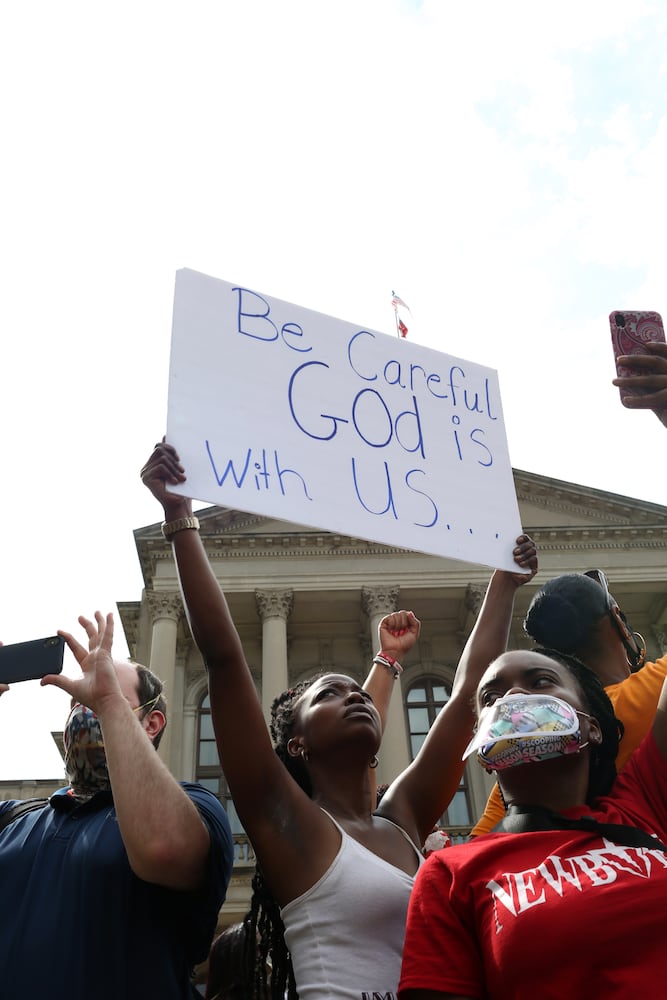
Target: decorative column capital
(468,611)
(473,598)
(274,604)
(164,605)
(379,600)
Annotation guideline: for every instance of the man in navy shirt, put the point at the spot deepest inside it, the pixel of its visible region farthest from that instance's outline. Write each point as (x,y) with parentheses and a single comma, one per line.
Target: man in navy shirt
(112,889)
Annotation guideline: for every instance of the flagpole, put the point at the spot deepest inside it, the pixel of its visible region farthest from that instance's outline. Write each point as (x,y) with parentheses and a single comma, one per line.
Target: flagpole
(398,329)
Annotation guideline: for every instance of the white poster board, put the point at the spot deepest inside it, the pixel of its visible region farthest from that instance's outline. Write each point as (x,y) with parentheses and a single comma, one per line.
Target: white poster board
(278,410)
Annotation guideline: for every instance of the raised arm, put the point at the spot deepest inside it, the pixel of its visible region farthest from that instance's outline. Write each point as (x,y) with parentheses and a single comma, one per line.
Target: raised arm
(423,792)
(380,683)
(286,828)
(235,707)
(649,376)
(397,634)
(165,838)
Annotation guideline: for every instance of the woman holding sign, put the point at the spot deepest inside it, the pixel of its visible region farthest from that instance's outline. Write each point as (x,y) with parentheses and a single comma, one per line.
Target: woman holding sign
(336,870)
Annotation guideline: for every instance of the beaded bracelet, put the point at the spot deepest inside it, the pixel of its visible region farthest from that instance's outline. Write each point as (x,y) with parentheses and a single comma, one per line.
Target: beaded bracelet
(388,661)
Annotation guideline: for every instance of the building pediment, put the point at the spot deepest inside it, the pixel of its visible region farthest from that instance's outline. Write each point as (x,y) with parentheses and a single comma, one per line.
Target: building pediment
(544,501)
(559,515)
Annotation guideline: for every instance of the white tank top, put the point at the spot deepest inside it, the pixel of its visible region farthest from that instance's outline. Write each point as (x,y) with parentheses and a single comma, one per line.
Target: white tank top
(345,934)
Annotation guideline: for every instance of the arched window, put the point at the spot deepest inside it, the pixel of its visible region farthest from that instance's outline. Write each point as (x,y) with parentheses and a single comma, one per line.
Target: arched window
(208,771)
(424,701)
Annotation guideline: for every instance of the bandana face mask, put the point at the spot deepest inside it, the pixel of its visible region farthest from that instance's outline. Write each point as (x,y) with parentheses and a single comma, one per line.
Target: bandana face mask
(526,728)
(85,759)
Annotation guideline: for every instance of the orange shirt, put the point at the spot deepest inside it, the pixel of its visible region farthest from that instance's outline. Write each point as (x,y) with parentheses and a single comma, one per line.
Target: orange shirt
(634,699)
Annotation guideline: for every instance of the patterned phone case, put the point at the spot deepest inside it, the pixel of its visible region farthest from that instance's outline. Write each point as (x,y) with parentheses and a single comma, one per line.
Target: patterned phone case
(631,330)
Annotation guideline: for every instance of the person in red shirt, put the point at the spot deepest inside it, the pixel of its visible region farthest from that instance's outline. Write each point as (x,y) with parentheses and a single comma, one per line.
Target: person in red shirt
(505,914)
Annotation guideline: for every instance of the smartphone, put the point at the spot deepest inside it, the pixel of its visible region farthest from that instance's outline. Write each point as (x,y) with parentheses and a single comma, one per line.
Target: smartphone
(631,330)
(26,661)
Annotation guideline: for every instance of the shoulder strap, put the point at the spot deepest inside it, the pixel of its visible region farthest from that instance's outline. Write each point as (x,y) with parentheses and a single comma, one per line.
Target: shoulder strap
(407,836)
(20,809)
(528,819)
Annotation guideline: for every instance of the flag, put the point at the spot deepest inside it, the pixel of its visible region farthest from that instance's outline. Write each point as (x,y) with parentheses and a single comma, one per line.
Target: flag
(397,302)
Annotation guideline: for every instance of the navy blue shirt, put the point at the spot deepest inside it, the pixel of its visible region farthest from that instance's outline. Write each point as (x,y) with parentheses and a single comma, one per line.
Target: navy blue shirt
(76,922)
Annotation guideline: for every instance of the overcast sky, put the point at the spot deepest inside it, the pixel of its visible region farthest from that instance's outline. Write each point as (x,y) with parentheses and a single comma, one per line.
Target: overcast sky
(500,166)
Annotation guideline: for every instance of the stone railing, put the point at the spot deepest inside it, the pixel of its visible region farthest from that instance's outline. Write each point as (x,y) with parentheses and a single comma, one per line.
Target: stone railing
(459,834)
(244,852)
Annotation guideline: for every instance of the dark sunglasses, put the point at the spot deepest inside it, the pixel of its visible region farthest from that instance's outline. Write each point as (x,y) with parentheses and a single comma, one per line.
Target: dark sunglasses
(634,642)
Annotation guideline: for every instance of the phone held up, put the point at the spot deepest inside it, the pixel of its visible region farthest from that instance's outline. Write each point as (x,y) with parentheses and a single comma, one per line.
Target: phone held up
(631,331)
(26,661)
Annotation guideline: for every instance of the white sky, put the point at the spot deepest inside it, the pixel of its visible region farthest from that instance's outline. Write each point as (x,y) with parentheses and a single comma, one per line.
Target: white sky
(501,166)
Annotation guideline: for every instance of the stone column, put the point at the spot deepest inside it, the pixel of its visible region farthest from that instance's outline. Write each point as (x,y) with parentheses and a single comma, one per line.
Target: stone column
(166,610)
(274,608)
(394,753)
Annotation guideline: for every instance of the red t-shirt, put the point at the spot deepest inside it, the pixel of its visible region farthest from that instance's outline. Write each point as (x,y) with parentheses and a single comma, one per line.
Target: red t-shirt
(552,913)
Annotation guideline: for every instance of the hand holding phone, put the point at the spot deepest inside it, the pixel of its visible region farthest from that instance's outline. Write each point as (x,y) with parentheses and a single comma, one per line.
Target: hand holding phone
(631,332)
(639,339)
(26,661)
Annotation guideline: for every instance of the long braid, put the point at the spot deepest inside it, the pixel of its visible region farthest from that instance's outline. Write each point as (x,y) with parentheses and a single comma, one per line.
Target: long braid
(266,929)
(264,922)
(603,755)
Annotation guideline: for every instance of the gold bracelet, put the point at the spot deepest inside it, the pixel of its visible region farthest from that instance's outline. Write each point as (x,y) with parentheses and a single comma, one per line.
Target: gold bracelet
(169,528)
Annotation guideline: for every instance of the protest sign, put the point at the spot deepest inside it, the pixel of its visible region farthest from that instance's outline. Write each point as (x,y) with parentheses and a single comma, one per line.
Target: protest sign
(286,412)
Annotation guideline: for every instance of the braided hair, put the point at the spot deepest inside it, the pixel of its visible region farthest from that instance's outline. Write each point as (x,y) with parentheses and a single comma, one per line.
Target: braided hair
(602,755)
(263,920)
